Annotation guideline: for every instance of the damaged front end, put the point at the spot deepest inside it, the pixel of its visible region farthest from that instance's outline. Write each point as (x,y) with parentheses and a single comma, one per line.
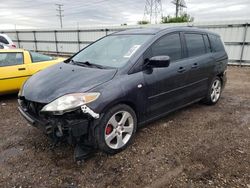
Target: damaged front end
(76,127)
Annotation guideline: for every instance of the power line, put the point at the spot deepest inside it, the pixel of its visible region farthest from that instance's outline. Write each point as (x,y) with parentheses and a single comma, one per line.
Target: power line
(79,9)
(153,10)
(60,15)
(82,7)
(86,5)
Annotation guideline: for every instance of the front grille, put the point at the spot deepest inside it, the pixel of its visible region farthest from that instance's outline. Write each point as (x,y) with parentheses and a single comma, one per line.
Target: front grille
(32,108)
(72,124)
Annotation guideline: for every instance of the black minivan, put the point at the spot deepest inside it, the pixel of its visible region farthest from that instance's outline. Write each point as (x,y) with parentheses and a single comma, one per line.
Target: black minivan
(99,97)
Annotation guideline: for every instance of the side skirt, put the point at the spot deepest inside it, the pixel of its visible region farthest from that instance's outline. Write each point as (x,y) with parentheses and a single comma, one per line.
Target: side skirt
(166,113)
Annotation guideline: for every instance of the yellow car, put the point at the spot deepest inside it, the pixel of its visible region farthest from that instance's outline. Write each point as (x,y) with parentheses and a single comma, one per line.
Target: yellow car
(16,65)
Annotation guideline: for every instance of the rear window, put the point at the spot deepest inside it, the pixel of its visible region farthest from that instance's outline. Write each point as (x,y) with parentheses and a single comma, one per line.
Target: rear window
(11,58)
(195,44)
(216,43)
(36,57)
(3,40)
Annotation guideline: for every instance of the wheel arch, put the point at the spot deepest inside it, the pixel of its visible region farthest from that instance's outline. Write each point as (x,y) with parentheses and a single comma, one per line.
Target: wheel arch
(126,102)
(221,75)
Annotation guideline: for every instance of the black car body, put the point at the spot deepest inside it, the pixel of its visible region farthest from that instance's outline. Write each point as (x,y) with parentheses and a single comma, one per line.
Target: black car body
(171,68)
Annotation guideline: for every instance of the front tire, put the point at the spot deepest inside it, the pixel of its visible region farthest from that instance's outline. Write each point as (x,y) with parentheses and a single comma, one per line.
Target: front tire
(117,129)
(214,92)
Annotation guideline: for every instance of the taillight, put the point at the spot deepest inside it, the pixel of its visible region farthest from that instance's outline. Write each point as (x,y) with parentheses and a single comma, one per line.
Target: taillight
(13,45)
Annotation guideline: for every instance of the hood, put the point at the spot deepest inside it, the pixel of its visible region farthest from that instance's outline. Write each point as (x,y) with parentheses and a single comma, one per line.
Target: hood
(60,79)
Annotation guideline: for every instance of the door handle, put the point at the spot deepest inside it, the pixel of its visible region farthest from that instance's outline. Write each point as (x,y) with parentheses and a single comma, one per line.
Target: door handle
(181,69)
(195,65)
(21,69)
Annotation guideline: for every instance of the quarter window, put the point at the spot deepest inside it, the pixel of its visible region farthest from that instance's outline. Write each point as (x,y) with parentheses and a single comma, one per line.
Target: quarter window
(216,43)
(195,44)
(11,58)
(36,57)
(169,45)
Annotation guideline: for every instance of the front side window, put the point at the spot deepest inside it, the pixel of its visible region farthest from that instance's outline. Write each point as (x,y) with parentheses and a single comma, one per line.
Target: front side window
(36,57)
(169,45)
(11,58)
(112,51)
(195,44)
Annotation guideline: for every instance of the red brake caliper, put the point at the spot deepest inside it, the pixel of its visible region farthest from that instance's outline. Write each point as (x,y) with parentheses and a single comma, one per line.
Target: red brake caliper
(109,129)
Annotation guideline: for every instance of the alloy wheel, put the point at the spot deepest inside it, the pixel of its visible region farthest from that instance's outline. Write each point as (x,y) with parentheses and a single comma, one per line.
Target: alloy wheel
(215,90)
(119,130)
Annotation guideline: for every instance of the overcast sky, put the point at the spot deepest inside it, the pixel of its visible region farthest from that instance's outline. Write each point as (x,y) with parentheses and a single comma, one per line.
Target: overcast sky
(42,13)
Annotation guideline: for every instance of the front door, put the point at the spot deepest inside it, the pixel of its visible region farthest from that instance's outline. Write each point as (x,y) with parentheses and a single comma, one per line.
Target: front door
(13,71)
(166,86)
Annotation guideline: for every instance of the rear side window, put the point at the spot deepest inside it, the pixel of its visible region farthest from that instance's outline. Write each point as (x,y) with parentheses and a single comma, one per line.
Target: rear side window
(216,43)
(169,45)
(195,44)
(10,59)
(3,40)
(36,57)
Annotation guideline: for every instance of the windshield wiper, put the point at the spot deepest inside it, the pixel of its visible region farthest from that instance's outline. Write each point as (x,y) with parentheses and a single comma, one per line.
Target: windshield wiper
(93,65)
(87,64)
(77,62)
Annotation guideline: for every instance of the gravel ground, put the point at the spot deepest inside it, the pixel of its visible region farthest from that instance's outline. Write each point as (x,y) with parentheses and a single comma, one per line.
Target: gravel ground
(198,146)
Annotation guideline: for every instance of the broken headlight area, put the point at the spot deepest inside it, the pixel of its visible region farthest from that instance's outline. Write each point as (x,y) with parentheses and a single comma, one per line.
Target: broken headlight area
(72,126)
(69,102)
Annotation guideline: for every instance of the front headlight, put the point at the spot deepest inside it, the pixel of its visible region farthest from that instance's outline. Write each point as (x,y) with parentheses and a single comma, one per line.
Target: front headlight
(69,102)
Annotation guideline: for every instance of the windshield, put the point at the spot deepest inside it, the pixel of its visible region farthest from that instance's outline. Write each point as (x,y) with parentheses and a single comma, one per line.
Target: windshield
(112,51)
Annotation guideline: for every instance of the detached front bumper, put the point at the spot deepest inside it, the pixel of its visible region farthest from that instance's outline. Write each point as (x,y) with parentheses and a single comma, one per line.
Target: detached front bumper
(73,126)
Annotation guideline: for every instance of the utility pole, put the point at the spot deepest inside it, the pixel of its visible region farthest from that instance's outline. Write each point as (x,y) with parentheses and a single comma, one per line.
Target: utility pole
(153,9)
(60,15)
(179,5)
(177,8)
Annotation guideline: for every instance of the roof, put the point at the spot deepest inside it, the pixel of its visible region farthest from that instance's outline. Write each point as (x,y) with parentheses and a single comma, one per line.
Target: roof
(140,31)
(12,50)
(153,31)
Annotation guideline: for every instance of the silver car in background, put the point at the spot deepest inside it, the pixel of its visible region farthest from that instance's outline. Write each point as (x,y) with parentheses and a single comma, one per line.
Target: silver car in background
(6,42)
(4,46)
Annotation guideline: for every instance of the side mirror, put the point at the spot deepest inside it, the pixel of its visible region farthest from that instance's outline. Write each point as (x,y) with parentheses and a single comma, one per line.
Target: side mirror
(159,61)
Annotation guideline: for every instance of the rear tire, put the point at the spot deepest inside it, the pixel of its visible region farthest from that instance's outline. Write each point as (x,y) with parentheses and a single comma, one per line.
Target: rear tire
(214,92)
(116,129)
